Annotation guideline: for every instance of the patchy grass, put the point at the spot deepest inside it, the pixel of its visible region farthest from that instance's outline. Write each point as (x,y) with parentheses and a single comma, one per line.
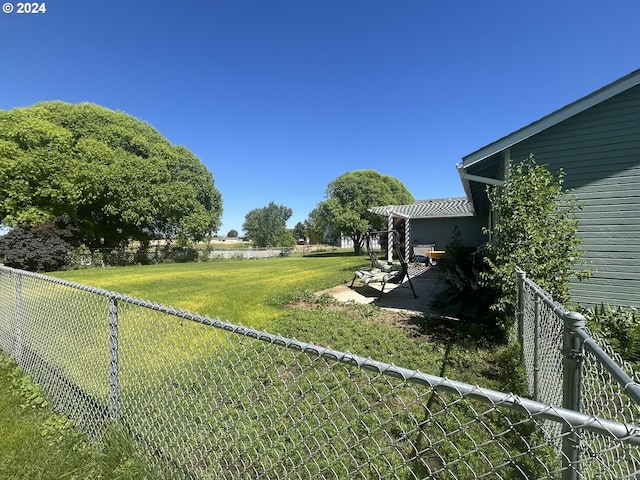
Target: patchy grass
(277,295)
(433,345)
(249,292)
(36,443)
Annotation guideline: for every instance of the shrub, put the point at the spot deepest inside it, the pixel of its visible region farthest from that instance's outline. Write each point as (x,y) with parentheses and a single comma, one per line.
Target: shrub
(41,248)
(467,296)
(620,327)
(537,230)
(179,254)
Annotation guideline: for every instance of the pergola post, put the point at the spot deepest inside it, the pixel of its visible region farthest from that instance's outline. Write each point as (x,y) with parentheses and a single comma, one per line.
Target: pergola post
(407,237)
(390,239)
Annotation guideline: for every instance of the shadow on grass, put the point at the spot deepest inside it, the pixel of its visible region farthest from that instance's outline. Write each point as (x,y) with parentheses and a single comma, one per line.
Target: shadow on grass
(450,330)
(334,254)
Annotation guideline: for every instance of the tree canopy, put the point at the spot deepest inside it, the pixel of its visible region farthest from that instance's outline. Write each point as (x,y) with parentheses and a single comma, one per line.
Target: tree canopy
(349,198)
(267,226)
(300,232)
(115,177)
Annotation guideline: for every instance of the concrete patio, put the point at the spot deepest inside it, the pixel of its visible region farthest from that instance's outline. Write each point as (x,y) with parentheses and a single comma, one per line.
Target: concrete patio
(427,283)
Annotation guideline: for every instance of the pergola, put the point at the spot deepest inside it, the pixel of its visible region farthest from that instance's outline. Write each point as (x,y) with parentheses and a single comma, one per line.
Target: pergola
(422,209)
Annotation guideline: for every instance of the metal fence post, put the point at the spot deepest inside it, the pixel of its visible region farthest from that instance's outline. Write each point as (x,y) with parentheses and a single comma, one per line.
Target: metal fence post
(536,348)
(520,276)
(19,324)
(114,380)
(572,356)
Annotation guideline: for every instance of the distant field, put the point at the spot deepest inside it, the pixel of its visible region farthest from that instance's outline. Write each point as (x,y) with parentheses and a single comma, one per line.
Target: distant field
(250,292)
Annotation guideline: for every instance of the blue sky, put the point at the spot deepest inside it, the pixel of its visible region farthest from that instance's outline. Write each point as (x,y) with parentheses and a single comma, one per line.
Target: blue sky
(279,98)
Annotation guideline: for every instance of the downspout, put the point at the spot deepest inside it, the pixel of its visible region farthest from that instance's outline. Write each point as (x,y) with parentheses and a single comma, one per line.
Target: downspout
(506,162)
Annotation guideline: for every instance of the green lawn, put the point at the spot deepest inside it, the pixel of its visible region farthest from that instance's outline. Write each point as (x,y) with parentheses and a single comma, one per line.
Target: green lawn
(37,443)
(276,295)
(28,430)
(250,292)
(256,293)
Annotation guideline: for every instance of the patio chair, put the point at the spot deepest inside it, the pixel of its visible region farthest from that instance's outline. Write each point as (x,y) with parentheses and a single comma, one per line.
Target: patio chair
(384,272)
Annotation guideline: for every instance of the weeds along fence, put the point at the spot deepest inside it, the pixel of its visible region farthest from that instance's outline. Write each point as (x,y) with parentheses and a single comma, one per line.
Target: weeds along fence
(152,255)
(83,258)
(209,399)
(566,364)
(252,253)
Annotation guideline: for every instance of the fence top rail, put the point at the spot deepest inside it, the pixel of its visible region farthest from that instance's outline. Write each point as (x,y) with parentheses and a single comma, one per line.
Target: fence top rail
(625,432)
(630,387)
(541,294)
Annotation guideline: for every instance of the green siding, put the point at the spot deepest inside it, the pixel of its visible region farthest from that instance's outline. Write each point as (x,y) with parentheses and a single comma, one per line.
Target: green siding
(599,150)
(440,231)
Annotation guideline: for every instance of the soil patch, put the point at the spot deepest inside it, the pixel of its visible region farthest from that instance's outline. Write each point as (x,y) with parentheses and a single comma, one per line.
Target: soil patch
(430,328)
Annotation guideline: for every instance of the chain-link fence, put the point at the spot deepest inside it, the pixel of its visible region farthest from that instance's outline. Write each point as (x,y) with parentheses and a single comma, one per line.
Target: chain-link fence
(83,258)
(208,399)
(568,365)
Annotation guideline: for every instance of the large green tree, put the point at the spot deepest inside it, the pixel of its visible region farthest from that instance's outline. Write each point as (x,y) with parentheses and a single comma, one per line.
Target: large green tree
(267,226)
(114,176)
(349,198)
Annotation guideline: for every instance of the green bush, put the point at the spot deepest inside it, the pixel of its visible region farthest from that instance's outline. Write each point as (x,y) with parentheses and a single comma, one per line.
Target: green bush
(182,254)
(620,327)
(467,297)
(536,230)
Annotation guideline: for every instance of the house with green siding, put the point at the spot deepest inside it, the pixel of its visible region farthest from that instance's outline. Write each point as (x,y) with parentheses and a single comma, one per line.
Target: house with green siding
(432,222)
(596,141)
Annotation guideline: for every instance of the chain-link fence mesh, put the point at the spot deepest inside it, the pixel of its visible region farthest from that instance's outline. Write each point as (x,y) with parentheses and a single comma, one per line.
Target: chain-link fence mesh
(603,394)
(83,258)
(604,378)
(209,399)
(542,348)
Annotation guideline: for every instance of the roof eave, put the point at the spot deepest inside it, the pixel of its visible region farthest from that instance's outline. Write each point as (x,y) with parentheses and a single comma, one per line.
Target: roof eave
(554,118)
(466,186)
(393,211)
(457,215)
